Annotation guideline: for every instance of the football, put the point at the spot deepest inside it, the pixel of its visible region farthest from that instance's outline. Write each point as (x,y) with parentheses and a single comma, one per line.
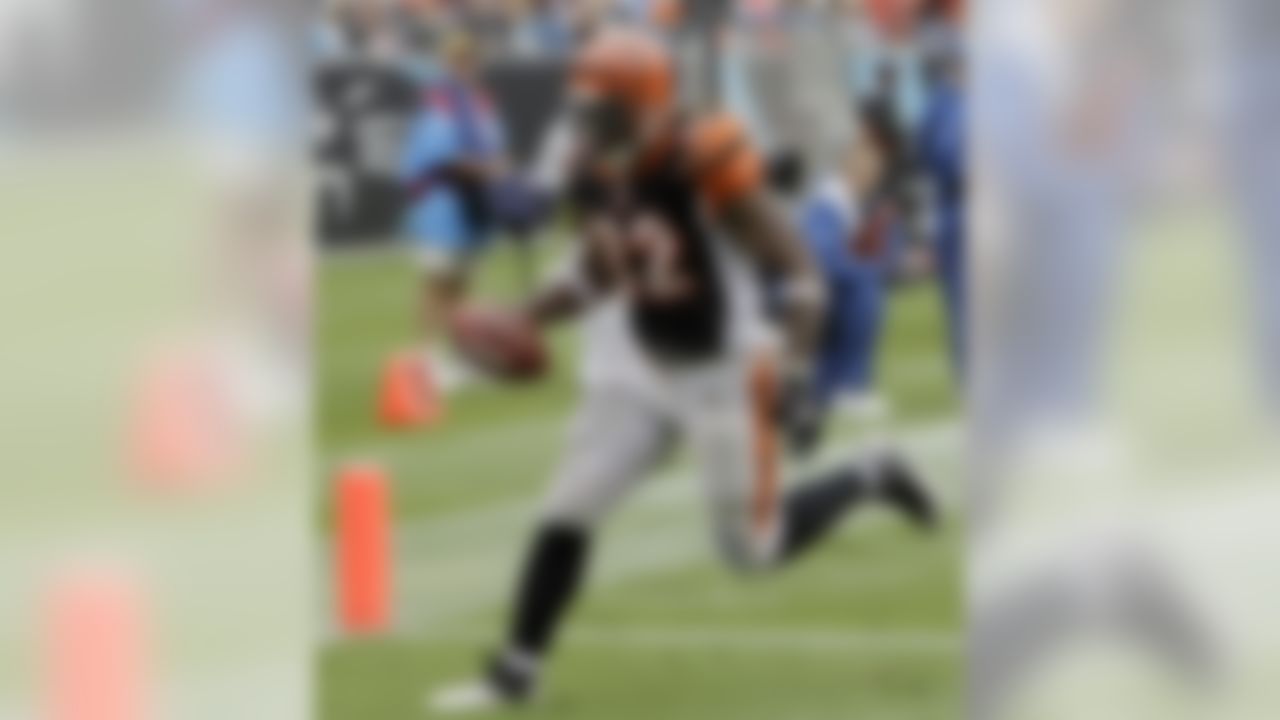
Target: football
(499,342)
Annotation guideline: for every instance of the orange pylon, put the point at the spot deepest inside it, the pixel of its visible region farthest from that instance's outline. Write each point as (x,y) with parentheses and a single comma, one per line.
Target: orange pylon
(363,571)
(409,396)
(98,660)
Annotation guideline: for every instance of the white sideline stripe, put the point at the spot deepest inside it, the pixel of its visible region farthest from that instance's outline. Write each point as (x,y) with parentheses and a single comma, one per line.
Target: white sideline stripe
(436,586)
(366,250)
(493,439)
(674,486)
(770,640)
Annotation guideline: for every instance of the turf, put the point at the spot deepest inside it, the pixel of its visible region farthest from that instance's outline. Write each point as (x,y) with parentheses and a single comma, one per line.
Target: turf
(868,627)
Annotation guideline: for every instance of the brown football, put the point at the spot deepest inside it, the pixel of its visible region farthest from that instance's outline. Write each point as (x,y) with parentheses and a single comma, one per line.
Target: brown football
(500,342)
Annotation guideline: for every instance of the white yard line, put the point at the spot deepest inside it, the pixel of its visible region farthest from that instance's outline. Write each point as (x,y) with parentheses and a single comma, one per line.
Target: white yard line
(449,568)
(667,489)
(365,250)
(740,640)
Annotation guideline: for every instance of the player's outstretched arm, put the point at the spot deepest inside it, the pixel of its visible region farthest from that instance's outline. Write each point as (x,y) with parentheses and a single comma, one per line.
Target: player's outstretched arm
(572,287)
(756,223)
(760,228)
(731,179)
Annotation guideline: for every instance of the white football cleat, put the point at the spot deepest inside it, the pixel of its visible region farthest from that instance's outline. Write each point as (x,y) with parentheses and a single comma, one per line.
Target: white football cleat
(476,696)
(510,679)
(447,371)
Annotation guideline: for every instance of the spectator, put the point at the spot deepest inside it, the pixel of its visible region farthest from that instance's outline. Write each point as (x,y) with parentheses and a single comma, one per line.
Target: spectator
(546,29)
(453,156)
(846,221)
(941,148)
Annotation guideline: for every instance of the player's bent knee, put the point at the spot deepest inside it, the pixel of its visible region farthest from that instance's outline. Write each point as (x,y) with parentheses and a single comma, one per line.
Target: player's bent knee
(568,519)
(746,553)
(567,509)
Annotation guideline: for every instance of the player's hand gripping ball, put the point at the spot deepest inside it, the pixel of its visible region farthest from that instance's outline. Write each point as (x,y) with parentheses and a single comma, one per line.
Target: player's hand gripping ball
(502,343)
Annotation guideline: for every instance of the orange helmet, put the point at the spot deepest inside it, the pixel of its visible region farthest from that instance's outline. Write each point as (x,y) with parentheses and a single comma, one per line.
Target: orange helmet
(893,18)
(627,66)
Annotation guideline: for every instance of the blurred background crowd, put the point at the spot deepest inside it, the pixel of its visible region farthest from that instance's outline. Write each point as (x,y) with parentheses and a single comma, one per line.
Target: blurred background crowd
(802,74)
(857,106)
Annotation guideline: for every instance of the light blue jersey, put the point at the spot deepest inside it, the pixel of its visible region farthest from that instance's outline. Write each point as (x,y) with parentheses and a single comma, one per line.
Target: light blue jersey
(456,124)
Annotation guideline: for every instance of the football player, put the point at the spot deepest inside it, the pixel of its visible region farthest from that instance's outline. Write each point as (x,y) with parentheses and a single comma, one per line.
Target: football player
(846,222)
(453,157)
(675,228)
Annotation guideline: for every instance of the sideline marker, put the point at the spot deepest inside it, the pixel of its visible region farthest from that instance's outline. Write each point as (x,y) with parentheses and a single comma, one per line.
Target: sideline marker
(97,660)
(408,396)
(364,549)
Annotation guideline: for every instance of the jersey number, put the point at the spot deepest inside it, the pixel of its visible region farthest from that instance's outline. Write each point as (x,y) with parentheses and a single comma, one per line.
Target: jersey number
(654,254)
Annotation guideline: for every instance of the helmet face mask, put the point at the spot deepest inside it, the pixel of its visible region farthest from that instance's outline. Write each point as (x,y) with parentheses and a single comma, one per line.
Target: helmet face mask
(606,124)
(623,81)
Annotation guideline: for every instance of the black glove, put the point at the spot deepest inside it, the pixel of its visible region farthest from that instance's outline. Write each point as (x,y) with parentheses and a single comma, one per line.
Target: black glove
(517,207)
(801,415)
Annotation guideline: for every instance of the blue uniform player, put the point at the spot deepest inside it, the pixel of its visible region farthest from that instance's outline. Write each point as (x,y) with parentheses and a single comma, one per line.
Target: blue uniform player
(847,228)
(452,160)
(942,155)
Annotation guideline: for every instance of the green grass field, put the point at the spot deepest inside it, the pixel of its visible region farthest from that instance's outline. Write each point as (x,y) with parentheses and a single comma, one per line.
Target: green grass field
(869,626)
